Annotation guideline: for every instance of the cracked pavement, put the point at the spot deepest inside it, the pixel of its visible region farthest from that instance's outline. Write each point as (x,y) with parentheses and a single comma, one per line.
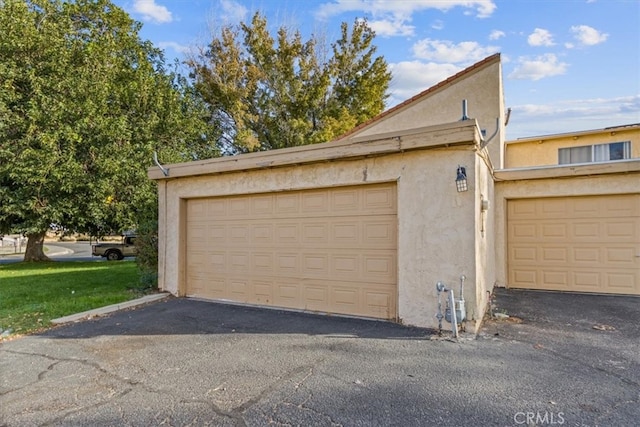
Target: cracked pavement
(181,362)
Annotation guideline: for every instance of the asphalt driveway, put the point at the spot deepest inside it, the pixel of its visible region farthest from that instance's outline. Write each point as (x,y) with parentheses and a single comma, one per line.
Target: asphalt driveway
(186,362)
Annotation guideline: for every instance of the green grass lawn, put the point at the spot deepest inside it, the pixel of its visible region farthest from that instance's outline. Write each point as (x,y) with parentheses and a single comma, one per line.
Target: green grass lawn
(31,294)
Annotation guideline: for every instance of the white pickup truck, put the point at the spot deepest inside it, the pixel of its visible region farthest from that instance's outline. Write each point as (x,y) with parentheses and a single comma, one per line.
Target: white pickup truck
(115,251)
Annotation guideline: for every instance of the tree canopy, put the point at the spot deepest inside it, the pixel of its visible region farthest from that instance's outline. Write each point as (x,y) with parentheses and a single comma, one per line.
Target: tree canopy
(84,103)
(272,91)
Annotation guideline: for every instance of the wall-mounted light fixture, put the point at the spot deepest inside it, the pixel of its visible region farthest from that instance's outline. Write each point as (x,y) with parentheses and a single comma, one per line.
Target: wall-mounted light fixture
(461,179)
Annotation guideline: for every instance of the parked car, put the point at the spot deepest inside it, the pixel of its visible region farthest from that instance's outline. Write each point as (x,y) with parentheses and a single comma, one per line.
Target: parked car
(116,251)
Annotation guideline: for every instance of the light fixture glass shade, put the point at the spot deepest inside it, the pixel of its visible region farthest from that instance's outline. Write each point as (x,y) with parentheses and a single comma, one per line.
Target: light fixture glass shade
(461,179)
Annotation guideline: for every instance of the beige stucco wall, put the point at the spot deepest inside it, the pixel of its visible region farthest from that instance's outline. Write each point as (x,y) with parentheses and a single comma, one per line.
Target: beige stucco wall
(481,87)
(595,181)
(484,238)
(543,151)
(437,226)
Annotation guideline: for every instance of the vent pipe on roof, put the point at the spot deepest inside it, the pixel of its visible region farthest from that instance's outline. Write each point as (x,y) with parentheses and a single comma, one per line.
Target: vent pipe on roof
(464,110)
(506,121)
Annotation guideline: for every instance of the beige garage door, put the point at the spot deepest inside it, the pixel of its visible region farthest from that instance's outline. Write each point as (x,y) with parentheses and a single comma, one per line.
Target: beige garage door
(329,250)
(582,244)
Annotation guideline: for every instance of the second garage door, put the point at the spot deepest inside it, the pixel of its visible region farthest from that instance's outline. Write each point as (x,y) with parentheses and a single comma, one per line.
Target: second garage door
(330,250)
(582,244)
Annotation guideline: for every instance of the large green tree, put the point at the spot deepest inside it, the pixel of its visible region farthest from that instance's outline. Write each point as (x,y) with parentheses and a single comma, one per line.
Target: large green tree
(269,91)
(84,103)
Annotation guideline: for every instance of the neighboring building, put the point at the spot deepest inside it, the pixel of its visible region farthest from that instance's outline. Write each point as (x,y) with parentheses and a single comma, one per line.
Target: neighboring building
(367,224)
(592,146)
(568,212)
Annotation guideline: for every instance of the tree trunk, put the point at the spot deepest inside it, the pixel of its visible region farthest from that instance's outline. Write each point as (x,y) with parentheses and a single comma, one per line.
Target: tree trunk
(35,247)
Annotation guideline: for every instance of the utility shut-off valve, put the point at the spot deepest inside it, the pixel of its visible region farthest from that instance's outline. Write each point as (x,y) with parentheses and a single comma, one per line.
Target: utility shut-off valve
(455,311)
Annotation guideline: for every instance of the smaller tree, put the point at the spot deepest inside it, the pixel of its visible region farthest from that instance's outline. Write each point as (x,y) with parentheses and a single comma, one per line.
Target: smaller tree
(270,92)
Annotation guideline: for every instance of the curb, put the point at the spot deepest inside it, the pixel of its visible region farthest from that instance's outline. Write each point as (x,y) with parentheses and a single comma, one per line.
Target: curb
(108,309)
(57,250)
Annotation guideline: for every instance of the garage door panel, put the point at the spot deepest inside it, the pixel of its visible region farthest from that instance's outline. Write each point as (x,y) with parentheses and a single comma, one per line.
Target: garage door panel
(198,210)
(523,278)
(215,235)
(240,290)
(239,207)
(262,234)
(557,278)
(380,200)
(263,292)
(199,232)
(555,255)
(588,280)
(329,250)
(379,267)
(216,261)
(626,230)
(315,233)
(586,256)
(315,265)
(584,244)
(315,297)
(287,264)
(621,256)
(262,263)
(523,254)
(524,231)
(287,294)
(214,208)
(621,282)
(346,233)
(380,302)
(314,202)
(554,231)
(586,230)
(287,204)
(239,262)
(287,234)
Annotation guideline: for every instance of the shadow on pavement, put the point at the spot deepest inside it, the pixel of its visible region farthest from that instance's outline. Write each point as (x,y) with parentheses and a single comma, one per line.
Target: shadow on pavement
(184,316)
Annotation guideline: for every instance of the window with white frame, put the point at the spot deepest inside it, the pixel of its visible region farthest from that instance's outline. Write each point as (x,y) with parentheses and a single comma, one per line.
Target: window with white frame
(595,153)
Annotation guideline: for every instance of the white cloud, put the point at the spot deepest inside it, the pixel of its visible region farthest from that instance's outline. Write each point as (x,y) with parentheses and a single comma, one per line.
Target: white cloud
(151,11)
(483,8)
(388,28)
(437,25)
(446,51)
(412,77)
(587,35)
(392,18)
(540,37)
(180,48)
(572,115)
(232,11)
(538,68)
(591,107)
(496,34)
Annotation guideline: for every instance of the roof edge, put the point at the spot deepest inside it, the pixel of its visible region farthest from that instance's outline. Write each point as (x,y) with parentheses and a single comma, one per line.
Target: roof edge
(619,128)
(429,137)
(567,171)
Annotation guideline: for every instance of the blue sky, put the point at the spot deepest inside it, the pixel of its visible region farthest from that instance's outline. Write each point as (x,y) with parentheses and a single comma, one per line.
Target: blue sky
(568,65)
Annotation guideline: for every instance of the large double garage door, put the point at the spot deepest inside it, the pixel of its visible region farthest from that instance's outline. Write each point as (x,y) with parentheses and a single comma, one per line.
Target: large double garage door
(330,250)
(582,244)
